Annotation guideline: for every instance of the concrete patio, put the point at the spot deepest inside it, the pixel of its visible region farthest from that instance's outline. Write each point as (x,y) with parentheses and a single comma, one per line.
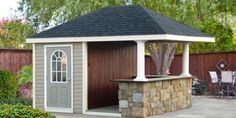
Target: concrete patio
(203,107)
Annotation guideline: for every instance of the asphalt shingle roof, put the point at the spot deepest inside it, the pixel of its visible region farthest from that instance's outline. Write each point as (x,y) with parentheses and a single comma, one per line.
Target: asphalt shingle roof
(118,21)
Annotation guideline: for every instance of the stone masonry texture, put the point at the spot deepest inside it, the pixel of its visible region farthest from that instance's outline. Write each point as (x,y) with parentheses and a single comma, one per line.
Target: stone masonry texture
(143,99)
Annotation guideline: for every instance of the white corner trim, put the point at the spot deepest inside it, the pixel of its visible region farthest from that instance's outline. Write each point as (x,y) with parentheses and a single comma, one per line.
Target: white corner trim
(85,76)
(45,76)
(33,69)
(72,77)
(56,109)
(160,37)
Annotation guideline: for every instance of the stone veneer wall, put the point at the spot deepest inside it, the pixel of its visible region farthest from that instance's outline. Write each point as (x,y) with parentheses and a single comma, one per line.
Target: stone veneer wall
(142,99)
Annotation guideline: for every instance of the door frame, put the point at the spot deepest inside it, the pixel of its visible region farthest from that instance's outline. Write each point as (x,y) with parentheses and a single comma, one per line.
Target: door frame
(57,109)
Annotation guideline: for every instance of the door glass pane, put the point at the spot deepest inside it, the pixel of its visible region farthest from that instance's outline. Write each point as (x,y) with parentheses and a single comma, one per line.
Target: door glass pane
(53,66)
(64,76)
(53,57)
(63,56)
(59,58)
(64,61)
(54,76)
(58,76)
(56,54)
(59,66)
(60,54)
(63,67)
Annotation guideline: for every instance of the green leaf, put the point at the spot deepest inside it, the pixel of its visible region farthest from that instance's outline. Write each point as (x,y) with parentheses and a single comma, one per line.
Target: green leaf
(26,75)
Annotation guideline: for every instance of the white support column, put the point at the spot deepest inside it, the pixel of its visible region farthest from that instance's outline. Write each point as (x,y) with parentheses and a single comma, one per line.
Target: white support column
(185,60)
(140,61)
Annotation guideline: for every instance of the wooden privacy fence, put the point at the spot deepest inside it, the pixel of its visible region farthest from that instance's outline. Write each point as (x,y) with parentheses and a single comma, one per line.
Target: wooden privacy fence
(200,64)
(14,59)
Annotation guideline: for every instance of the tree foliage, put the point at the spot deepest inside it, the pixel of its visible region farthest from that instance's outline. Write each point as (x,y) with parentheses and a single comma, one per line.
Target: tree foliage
(42,13)
(205,15)
(224,38)
(210,16)
(13,34)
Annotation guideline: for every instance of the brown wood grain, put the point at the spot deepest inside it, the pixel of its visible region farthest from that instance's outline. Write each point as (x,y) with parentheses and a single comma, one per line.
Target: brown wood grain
(14,59)
(108,61)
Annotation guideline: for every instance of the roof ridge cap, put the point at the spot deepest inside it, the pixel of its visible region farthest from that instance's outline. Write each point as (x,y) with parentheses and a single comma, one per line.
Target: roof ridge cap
(146,10)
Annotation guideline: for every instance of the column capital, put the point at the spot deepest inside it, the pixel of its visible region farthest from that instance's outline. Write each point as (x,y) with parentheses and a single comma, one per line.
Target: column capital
(185,75)
(186,42)
(140,41)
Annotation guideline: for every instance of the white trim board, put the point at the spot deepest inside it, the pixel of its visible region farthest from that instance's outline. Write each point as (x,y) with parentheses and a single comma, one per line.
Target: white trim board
(84,77)
(33,69)
(56,109)
(161,37)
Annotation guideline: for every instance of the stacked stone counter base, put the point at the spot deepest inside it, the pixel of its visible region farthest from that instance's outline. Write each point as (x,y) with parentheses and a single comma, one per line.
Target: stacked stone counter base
(153,97)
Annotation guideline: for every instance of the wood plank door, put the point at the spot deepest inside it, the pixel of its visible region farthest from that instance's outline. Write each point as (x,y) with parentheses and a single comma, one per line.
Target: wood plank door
(108,61)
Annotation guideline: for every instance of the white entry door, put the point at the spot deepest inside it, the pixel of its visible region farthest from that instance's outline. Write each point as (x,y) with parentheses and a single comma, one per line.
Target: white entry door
(58,78)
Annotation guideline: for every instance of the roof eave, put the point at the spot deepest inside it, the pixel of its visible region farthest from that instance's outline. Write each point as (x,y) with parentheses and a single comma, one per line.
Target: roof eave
(155,37)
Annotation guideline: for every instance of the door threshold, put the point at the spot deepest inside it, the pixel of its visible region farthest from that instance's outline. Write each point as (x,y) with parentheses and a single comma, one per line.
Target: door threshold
(102,114)
(60,110)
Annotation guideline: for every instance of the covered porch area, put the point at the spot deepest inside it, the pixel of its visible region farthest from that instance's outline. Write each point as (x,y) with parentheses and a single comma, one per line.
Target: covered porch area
(110,63)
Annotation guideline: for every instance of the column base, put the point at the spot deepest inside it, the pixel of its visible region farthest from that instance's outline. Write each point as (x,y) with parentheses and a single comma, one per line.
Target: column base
(140,79)
(186,74)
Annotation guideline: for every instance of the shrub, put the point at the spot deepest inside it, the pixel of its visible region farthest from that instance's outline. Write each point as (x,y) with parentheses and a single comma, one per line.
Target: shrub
(8,85)
(15,101)
(25,91)
(22,111)
(201,88)
(25,75)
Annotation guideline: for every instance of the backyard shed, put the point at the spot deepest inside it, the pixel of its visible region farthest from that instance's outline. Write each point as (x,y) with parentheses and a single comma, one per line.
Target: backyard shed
(75,63)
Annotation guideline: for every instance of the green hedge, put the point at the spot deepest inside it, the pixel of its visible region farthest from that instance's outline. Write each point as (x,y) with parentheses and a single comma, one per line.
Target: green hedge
(22,111)
(15,101)
(8,85)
